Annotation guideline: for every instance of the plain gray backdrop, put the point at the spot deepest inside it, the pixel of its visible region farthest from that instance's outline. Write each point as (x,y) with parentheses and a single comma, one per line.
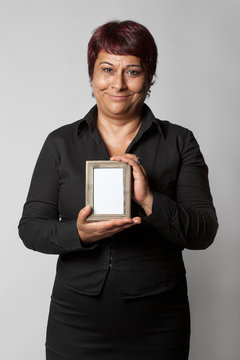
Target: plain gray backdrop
(44,84)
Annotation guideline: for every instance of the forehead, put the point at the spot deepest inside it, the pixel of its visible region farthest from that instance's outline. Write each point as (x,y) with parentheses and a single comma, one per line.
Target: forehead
(114,59)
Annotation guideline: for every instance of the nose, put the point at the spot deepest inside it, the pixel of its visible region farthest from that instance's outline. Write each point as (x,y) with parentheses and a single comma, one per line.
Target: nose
(118,82)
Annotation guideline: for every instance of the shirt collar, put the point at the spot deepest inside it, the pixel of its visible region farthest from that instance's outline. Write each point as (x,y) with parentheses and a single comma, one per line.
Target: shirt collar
(148,120)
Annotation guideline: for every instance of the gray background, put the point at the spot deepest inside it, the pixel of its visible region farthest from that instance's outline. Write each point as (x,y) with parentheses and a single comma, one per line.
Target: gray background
(44,84)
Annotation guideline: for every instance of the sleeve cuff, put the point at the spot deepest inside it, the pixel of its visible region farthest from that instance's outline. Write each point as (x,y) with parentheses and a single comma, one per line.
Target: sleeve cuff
(162,211)
(69,238)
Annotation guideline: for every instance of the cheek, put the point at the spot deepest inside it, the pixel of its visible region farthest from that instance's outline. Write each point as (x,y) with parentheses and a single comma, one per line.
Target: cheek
(138,87)
(99,83)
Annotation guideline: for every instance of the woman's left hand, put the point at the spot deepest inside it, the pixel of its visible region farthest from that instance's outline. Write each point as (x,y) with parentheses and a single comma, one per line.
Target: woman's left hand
(141,191)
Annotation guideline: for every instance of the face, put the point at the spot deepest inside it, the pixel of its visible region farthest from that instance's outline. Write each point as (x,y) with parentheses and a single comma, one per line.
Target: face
(119,85)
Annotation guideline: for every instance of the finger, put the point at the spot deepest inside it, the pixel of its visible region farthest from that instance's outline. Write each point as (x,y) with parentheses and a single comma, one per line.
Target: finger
(137,220)
(105,227)
(127,155)
(127,159)
(132,161)
(83,214)
(120,228)
(102,227)
(134,157)
(113,224)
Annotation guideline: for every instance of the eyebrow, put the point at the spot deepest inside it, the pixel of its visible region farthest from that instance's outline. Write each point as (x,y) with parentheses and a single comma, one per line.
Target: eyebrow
(130,65)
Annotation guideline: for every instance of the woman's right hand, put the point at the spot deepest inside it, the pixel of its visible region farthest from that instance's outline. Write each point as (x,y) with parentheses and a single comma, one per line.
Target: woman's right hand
(96,230)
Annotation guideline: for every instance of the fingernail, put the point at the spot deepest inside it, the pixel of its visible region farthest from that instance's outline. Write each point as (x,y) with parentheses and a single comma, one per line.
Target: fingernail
(138,221)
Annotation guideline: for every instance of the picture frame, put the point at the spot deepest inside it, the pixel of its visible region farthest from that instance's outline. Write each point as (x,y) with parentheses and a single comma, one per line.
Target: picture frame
(108,189)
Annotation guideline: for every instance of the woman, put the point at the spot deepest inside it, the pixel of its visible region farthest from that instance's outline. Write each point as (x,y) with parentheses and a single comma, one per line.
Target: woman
(120,289)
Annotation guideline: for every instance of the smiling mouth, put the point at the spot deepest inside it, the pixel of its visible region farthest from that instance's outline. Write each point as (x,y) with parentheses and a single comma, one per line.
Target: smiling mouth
(119,97)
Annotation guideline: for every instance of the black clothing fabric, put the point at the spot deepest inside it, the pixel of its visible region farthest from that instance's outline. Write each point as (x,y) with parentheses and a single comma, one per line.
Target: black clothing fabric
(124,296)
(106,327)
(147,258)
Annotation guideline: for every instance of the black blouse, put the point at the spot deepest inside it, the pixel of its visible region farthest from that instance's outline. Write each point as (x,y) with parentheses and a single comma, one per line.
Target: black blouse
(147,258)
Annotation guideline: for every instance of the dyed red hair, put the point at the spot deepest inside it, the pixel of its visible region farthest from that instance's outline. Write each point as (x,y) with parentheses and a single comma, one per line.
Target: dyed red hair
(124,38)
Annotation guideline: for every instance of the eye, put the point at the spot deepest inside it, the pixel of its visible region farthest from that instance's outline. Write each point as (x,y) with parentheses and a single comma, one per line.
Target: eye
(134,72)
(107,70)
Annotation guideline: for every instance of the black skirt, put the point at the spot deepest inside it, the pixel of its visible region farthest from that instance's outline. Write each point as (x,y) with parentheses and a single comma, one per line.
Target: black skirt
(106,327)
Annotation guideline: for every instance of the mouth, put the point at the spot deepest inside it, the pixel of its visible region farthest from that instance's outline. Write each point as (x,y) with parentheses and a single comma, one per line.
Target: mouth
(119,97)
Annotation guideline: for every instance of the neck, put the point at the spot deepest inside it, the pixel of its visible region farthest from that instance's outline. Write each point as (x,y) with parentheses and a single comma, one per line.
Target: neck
(118,126)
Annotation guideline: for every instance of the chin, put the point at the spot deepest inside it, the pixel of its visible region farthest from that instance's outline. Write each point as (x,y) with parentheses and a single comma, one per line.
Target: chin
(123,108)
(118,110)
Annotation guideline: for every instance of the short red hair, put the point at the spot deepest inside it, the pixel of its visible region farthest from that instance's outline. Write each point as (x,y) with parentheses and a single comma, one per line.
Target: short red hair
(124,38)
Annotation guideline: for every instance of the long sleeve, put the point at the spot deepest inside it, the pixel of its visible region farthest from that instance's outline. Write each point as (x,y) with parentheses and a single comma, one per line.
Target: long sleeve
(41,227)
(191,220)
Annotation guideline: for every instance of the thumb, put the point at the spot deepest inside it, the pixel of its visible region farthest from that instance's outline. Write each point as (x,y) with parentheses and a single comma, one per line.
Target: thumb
(84,213)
